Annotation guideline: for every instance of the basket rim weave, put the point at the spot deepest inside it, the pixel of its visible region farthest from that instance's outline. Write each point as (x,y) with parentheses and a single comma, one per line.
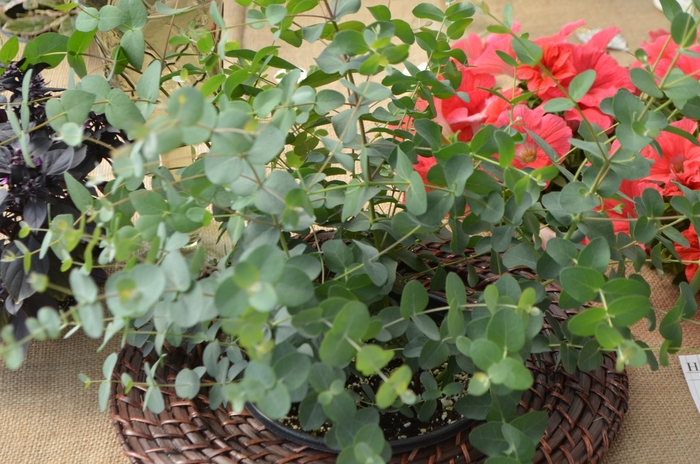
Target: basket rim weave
(585,410)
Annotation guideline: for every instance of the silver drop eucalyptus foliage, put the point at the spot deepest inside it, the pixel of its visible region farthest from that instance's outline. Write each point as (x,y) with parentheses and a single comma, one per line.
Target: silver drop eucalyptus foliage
(313,180)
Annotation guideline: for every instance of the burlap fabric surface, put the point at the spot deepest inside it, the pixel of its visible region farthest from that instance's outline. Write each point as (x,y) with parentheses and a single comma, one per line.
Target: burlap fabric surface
(46,417)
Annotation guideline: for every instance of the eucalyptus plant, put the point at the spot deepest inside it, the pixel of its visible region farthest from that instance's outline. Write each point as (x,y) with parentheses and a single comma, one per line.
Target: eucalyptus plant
(319,182)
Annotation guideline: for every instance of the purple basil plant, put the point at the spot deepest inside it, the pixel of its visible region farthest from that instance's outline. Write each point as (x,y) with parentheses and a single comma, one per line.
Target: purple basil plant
(34,192)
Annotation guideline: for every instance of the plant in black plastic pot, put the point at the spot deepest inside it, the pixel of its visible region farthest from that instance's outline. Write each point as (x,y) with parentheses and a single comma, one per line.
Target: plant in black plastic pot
(348,193)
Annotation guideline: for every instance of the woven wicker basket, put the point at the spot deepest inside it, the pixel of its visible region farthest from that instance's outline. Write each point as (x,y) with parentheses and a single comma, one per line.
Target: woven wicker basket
(585,409)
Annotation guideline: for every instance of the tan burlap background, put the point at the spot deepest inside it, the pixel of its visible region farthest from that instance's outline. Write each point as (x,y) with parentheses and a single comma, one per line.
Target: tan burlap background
(46,417)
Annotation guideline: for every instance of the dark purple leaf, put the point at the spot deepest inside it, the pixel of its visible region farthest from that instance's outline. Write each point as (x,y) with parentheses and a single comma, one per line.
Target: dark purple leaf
(11,306)
(5,158)
(39,143)
(78,156)
(6,131)
(34,213)
(56,162)
(12,272)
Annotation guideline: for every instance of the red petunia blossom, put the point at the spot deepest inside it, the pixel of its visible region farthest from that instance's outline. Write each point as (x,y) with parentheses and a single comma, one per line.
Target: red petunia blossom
(661,51)
(680,160)
(482,54)
(610,77)
(496,105)
(551,128)
(690,253)
(455,115)
(562,36)
(556,58)
(423,166)
(623,208)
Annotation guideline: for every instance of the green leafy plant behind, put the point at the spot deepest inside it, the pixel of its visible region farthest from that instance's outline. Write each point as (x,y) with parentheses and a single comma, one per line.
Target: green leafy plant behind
(360,201)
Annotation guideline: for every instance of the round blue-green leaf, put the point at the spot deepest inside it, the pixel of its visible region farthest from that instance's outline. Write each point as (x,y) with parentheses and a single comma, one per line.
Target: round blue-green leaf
(335,350)
(595,255)
(275,14)
(293,370)
(585,323)
(684,29)
(267,145)
(109,18)
(575,198)
(176,271)
(645,81)
(581,283)
(154,400)
(485,353)
(327,100)
(581,84)
(187,384)
(488,438)
(311,415)
(50,321)
(511,373)
(121,112)
(103,395)
(433,354)
(131,293)
(87,20)
(186,105)
(506,330)
(372,358)
(350,42)
(629,310)
(608,337)
(92,319)
(71,134)
(414,299)
(137,15)
(632,354)
(428,11)
(590,358)
(262,296)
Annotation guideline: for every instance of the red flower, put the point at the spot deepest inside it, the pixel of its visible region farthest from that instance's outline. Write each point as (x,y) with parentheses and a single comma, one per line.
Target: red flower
(623,208)
(661,50)
(496,105)
(549,127)
(423,166)
(457,116)
(562,36)
(482,54)
(557,60)
(610,77)
(690,253)
(680,160)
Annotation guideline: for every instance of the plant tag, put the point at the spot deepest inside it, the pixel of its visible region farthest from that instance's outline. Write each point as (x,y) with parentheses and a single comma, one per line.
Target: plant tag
(691,370)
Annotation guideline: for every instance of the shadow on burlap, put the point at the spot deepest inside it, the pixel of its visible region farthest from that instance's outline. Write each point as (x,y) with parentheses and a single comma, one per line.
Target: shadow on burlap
(46,417)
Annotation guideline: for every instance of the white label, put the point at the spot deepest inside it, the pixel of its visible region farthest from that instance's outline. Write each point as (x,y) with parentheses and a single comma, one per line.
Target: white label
(691,370)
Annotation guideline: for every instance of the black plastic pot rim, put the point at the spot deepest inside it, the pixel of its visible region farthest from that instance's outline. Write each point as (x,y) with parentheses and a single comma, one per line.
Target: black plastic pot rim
(397,446)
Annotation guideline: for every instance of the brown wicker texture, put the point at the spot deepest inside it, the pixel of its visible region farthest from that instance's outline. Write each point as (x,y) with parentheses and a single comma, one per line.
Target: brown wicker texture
(585,409)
